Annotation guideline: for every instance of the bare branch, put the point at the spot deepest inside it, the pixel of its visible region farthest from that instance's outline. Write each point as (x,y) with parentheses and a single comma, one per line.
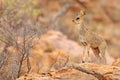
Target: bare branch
(28,63)
(60,13)
(81,4)
(23,51)
(93,73)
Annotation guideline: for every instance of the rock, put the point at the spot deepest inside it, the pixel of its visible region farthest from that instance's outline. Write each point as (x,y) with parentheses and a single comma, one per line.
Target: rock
(34,76)
(74,50)
(107,72)
(116,62)
(60,41)
(52,51)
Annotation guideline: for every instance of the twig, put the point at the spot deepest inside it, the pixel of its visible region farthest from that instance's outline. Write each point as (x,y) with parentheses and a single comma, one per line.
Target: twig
(23,51)
(93,73)
(3,55)
(28,63)
(81,4)
(107,14)
(60,13)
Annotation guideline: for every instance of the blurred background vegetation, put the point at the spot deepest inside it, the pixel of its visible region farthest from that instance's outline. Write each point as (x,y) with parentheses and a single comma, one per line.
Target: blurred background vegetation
(30,19)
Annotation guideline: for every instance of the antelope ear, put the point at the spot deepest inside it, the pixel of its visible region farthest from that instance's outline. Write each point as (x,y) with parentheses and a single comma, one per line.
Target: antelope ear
(83,12)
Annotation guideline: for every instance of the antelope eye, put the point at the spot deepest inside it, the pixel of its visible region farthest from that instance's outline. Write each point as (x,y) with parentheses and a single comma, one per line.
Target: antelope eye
(77,18)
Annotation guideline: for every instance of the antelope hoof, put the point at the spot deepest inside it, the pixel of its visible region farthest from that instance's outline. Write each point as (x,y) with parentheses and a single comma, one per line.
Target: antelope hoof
(83,61)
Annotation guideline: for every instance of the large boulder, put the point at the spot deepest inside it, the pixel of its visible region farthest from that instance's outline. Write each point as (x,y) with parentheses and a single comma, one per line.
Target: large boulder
(74,50)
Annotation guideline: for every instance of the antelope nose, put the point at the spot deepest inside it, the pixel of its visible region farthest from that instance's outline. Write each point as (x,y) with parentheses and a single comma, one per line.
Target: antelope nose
(73,20)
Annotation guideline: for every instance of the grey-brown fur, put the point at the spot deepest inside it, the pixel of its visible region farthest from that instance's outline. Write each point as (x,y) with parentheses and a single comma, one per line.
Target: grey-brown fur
(89,39)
